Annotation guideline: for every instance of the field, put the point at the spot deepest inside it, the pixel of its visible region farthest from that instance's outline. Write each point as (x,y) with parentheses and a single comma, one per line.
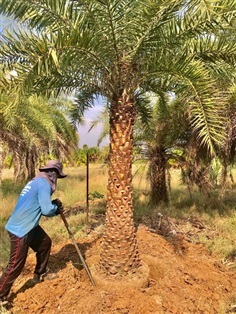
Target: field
(189,248)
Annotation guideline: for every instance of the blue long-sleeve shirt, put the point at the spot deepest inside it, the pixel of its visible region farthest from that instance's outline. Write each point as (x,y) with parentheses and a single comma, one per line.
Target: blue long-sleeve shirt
(33,202)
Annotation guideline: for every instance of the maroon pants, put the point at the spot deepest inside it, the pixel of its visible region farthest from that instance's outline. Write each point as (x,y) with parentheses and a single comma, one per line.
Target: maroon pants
(36,239)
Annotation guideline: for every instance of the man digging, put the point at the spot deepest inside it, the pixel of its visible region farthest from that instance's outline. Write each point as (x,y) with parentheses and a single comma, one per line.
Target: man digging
(24,230)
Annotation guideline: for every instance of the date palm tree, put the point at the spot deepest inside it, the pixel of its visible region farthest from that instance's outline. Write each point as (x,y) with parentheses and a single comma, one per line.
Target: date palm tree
(32,128)
(118,49)
(158,135)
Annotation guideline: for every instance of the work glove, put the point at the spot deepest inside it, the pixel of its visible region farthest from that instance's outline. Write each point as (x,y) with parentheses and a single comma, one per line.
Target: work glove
(59,206)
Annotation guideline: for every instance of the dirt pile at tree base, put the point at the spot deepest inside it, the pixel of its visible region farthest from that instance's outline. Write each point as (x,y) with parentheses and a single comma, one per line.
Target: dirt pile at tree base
(184,279)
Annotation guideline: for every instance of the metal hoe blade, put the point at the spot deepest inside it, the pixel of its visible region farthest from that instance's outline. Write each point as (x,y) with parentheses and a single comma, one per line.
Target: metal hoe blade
(77,248)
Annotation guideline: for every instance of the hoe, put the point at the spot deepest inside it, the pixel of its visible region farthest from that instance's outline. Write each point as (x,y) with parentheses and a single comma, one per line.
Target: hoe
(77,248)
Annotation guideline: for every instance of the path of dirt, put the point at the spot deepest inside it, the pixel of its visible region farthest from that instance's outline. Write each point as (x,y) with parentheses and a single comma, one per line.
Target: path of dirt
(184,279)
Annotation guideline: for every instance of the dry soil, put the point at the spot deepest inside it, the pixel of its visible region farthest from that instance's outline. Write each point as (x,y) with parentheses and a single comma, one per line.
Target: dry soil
(184,278)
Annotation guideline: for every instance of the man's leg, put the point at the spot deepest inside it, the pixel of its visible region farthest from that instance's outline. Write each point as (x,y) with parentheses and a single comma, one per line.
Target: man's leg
(18,255)
(41,243)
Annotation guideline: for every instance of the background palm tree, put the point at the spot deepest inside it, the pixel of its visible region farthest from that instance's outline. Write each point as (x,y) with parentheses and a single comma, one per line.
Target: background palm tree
(119,49)
(158,135)
(33,128)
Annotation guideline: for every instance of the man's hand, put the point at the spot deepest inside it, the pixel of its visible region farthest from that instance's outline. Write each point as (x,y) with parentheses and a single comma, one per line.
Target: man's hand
(57,202)
(59,206)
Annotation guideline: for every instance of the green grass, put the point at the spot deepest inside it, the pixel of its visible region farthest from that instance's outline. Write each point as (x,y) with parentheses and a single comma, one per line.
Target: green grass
(219,216)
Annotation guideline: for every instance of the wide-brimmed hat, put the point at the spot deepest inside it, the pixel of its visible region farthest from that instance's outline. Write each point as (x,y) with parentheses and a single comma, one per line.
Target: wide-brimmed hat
(54,164)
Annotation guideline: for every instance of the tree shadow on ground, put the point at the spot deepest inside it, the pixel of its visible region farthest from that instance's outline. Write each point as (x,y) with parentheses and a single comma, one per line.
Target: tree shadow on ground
(57,262)
(68,253)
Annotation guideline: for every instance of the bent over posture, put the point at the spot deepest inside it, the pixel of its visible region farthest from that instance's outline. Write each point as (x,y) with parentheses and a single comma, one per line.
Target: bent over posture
(23,226)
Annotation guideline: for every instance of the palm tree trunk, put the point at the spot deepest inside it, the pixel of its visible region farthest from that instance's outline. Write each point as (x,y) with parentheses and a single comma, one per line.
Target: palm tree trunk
(224,173)
(20,171)
(1,161)
(158,181)
(30,163)
(119,252)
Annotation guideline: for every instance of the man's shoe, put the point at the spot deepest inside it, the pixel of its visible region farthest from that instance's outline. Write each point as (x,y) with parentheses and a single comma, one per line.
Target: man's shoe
(36,278)
(46,276)
(49,276)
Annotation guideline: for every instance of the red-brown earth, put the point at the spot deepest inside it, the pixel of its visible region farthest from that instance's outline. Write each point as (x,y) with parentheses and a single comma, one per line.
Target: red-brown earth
(184,278)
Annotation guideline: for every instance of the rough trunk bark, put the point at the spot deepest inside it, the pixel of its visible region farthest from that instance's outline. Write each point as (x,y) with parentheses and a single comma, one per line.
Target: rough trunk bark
(159,189)
(30,164)
(119,252)
(20,171)
(1,162)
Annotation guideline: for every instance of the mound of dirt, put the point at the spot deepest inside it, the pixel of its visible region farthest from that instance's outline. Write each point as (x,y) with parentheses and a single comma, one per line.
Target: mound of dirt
(184,279)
